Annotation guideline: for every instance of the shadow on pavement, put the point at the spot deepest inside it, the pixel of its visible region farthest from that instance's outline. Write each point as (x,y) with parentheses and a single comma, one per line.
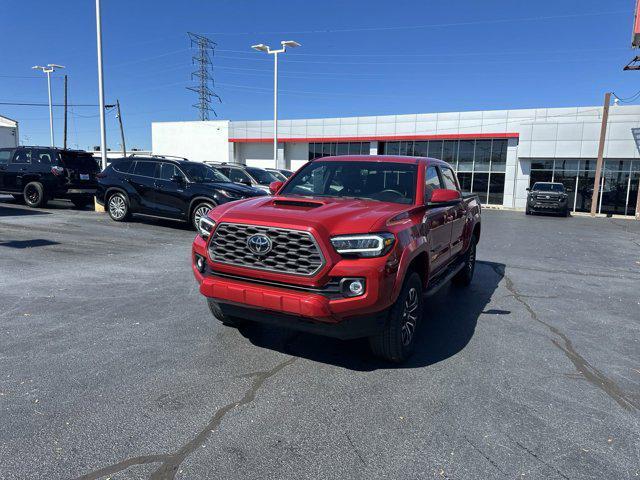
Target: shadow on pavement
(20,244)
(449,324)
(14,208)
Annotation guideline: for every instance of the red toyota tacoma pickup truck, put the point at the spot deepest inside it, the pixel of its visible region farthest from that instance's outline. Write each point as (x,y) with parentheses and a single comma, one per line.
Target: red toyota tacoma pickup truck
(348,247)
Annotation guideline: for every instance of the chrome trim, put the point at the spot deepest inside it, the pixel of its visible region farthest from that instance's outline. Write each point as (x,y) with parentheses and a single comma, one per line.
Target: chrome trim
(323,261)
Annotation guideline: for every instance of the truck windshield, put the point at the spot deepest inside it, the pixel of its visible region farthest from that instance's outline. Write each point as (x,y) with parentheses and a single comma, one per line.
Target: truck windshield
(548,187)
(261,176)
(379,181)
(78,160)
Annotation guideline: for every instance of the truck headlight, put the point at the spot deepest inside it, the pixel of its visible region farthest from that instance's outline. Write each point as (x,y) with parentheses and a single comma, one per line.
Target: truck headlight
(205,227)
(369,245)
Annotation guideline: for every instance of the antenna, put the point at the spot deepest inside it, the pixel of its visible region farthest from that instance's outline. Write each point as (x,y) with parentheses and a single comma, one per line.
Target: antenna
(204,74)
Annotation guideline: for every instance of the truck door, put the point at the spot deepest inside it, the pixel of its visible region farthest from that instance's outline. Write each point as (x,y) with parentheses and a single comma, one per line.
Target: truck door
(5,157)
(142,180)
(437,224)
(170,198)
(457,213)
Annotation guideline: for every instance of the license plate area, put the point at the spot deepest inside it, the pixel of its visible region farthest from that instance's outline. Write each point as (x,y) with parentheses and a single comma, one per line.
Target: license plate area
(84,176)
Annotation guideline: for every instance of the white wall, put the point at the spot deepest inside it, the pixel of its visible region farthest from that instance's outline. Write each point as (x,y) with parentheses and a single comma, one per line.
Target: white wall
(255,154)
(197,141)
(8,137)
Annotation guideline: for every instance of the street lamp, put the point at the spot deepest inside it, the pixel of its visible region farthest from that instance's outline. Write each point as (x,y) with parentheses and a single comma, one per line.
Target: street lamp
(261,47)
(51,67)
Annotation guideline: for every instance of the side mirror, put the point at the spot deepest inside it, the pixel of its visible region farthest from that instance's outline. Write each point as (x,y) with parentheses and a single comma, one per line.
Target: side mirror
(244,181)
(275,186)
(179,179)
(444,196)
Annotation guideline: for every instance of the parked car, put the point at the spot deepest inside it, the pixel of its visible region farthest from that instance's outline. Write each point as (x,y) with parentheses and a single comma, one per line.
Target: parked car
(282,171)
(547,197)
(254,176)
(276,173)
(39,174)
(165,187)
(346,248)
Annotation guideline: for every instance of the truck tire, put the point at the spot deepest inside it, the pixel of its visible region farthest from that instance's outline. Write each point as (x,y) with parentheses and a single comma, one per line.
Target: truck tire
(527,211)
(118,207)
(463,277)
(215,310)
(566,212)
(34,195)
(397,341)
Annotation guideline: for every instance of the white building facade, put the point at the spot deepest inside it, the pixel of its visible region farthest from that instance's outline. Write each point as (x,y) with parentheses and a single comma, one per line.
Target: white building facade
(496,154)
(9,136)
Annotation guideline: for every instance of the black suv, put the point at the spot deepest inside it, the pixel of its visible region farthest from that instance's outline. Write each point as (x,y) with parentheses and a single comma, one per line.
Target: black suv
(39,174)
(165,187)
(547,197)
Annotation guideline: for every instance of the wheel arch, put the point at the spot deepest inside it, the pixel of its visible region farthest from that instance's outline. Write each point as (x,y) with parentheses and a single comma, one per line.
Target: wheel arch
(199,199)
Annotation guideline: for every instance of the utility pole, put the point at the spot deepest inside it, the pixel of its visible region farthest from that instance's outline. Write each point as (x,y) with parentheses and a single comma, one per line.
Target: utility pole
(119,114)
(603,135)
(103,131)
(64,135)
(204,74)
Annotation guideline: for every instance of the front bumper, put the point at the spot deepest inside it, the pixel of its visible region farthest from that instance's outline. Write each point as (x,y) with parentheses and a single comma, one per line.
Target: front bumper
(316,309)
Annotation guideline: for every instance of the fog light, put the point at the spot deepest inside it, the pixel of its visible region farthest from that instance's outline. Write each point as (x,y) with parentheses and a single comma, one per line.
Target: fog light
(352,287)
(200,263)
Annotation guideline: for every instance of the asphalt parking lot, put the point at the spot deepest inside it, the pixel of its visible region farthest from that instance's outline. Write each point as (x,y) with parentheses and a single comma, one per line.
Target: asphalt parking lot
(112,367)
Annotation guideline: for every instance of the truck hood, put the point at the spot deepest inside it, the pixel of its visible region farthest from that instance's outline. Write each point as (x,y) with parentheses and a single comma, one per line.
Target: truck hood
(330,216)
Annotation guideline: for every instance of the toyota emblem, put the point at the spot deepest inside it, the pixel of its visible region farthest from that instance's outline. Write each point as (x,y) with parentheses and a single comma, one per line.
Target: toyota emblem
(259,244)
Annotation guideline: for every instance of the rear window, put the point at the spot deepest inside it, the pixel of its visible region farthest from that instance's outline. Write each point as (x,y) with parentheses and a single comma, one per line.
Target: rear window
(122,166)
(78,160)
(147,169)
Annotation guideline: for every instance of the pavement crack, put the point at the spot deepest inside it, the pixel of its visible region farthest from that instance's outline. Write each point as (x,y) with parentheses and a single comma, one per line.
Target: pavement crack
(486,457)
(355,449)
(564,344)
(171,462)
(537,457)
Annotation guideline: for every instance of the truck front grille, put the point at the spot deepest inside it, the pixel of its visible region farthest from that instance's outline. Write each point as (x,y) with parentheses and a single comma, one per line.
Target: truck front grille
(293,252)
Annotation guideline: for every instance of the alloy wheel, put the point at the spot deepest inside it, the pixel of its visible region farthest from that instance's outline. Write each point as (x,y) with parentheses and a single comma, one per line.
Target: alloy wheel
(117,207)
(32,194)
(409,316)
(200,212)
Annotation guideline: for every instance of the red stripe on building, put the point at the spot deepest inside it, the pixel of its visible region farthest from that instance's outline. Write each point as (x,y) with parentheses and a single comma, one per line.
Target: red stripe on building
(380,138)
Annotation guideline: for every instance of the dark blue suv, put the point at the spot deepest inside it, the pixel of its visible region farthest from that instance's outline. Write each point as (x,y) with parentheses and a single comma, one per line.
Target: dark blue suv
(165,187)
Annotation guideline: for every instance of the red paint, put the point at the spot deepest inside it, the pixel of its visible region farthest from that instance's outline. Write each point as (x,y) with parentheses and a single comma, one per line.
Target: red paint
(635,40)
(380,138)
(427,238)
(442,195)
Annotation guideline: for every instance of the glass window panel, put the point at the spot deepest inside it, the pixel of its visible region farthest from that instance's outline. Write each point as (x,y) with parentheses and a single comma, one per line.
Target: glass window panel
(326,149)
(464,179)
(588,165)
(541,164)
(312,151)
(564,165)
(392,148)
(617,165)
(585,190)
(146,169)
(496,188)
(482,155)
(365,148)
(342,149)
(633,194)
(449,149)
(420,149)
(614,193)
(449,178)
(480,185)
(465,155)
(435,149)
(432,182)
(406,148)
(540,176)
(499,151)
(332,148)
(635,166)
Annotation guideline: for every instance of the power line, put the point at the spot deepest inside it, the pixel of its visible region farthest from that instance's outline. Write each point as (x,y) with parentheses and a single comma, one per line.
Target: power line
(204,74)
(35,104)
(429,25)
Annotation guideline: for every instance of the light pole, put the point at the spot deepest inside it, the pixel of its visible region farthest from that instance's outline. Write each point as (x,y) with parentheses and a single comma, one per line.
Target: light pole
(51,67)
(279,163)
(103,132)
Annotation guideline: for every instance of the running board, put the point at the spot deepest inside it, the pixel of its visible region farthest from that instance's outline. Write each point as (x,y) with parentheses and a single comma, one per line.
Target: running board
(443,278)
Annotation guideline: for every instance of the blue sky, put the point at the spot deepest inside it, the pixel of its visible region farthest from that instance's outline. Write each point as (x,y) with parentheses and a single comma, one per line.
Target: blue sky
(358,58)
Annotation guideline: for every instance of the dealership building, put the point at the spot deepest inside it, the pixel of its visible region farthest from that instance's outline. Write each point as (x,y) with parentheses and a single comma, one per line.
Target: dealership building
(495,153)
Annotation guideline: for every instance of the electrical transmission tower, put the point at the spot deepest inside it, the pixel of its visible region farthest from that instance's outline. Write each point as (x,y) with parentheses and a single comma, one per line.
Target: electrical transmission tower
(204,74)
